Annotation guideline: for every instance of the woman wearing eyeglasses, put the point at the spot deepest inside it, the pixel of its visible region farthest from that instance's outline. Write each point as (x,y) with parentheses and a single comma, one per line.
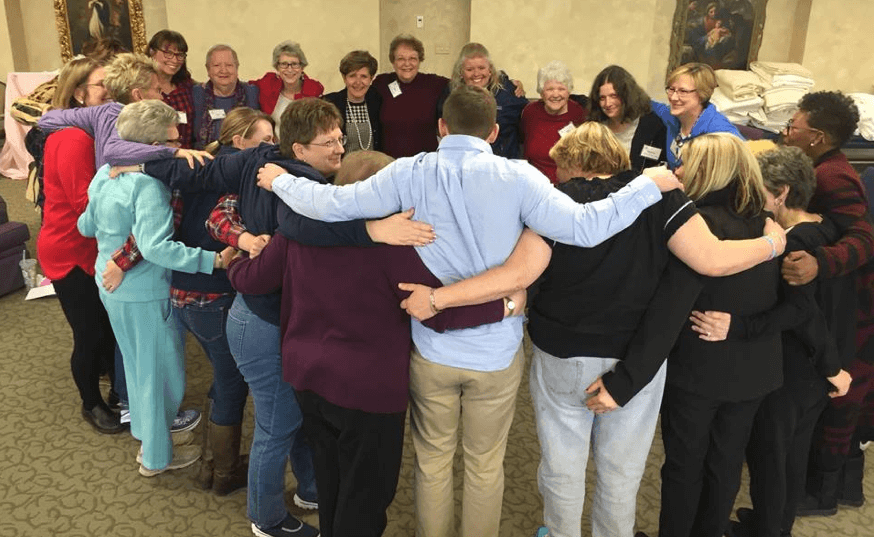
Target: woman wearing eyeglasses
(169,50)
(288,83)
(689,113)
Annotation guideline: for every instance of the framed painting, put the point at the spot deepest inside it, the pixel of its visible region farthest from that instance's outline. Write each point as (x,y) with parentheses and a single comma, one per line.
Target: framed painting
(80,21)
(725,34)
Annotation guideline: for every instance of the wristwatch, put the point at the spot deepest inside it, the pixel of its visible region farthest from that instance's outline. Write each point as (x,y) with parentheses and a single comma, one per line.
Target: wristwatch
(510,304)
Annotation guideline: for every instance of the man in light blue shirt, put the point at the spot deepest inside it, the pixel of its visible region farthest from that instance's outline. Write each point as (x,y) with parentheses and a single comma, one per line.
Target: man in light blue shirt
(479,204)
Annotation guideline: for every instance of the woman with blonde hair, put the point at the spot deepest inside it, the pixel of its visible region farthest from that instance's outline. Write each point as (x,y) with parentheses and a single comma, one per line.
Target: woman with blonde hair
(689,112)
(474,67)
(582,322)
(243,128)
(80,83)
(715,387)
(67,257)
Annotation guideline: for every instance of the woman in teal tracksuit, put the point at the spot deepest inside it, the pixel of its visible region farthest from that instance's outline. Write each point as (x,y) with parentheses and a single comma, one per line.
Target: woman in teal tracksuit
(139,310)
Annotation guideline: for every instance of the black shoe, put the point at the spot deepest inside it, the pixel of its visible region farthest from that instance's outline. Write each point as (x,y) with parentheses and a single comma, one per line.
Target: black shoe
(744,515)
(103,420)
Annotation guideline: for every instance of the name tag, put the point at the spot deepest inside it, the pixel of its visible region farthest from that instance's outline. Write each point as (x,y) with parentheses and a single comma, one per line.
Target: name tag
(183,117)
(394,88)
(567,129)
(217,113)
(650,152)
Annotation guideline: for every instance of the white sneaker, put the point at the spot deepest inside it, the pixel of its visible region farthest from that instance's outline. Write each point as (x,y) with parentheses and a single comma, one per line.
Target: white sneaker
(182,456)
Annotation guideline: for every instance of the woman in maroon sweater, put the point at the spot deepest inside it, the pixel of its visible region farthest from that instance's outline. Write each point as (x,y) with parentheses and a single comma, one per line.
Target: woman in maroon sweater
(409,100)
(346,350)
(545,121)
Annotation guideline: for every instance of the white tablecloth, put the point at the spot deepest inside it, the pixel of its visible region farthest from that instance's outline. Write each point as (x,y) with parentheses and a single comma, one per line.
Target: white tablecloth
(14,158)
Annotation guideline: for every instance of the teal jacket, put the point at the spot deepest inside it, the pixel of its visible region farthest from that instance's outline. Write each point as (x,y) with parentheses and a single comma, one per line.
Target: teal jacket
(137,204)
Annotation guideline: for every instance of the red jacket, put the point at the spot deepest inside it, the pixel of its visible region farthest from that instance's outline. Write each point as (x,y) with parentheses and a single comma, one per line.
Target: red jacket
(270,86)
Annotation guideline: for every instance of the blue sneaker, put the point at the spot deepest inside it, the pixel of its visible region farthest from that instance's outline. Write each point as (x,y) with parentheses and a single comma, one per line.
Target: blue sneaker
(290,527)
(542,531)
(185,421)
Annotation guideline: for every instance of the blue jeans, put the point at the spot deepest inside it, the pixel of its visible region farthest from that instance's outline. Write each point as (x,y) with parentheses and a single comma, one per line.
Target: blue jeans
(228,390)
(620,441)
(255,344)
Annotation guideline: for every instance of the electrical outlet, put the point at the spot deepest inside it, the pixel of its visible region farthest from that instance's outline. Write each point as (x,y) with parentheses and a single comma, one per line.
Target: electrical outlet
(420,21)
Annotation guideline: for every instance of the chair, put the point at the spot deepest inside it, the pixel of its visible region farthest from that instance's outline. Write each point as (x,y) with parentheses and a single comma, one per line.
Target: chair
(13,237)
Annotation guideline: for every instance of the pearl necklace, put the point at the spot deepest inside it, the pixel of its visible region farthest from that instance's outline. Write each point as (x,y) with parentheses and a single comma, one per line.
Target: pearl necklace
(357,128)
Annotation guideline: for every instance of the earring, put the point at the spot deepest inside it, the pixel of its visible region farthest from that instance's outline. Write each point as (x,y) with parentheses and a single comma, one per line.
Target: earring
(81,102)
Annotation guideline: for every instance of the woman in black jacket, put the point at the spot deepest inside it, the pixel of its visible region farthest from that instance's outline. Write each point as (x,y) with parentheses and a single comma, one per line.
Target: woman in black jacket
(619,103)
(714,388)
(358,103)
(582,321)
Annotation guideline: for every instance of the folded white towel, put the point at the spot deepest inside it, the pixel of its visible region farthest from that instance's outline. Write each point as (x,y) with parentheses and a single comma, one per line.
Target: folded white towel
(768,69)
(740,85)
(865,104)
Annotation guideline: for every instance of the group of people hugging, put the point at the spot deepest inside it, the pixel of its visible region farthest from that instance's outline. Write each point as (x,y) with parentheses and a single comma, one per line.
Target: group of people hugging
(665,266)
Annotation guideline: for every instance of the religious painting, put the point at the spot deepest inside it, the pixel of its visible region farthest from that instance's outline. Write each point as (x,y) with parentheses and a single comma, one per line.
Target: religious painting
(725,34)
(80,21)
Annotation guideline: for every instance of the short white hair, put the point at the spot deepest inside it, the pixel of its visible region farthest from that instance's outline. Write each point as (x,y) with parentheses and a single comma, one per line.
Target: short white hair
(555,71)
(218,48)
(146,121)
(289,48)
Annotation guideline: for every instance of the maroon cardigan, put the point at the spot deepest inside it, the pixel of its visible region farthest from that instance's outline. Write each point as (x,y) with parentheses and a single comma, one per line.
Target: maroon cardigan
(270,86)
(344,335)
(839,194)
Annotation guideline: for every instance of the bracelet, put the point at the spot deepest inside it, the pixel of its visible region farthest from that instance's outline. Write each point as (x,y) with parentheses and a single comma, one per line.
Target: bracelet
(434,309)
(773,246)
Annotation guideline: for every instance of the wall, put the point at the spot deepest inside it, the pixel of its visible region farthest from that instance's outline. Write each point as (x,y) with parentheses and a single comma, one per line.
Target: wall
(838,45)
(446,29)
(585,35)
(522,35)
(7,61)
(253,28)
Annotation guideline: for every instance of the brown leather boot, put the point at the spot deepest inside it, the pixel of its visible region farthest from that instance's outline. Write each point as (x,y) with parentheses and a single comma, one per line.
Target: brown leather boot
(204,475)
(230,470)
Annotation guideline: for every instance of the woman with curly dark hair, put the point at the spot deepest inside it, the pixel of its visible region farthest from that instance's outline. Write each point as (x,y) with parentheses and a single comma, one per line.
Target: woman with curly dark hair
(616,100)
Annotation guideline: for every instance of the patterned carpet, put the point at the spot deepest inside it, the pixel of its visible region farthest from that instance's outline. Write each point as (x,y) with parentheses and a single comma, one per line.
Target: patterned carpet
(58,477)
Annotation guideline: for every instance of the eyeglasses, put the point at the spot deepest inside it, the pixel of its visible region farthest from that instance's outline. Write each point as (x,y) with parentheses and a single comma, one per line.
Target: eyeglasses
(289,65)
(170,54)
(683,93)
(330,143)
(789,126)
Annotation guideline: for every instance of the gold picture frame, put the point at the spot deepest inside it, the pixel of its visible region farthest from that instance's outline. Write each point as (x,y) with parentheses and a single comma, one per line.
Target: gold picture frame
(81,20)
(725,34)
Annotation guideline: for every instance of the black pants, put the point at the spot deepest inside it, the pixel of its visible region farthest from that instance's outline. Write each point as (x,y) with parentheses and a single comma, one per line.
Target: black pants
(704,452)
(93,340)
(778,451)
(357,457)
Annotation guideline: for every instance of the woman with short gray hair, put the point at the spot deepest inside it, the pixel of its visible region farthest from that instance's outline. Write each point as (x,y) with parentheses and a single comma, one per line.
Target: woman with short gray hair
(148,122)
(277,89)
(222,92)
(545,121)
(136,204)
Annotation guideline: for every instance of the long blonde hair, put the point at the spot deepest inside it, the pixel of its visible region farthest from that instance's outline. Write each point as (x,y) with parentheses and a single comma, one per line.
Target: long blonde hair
(713,161)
